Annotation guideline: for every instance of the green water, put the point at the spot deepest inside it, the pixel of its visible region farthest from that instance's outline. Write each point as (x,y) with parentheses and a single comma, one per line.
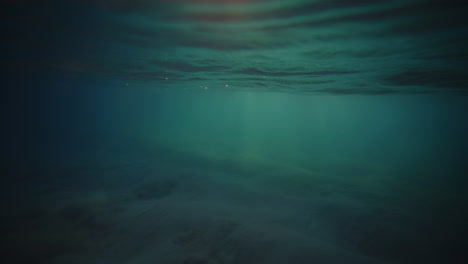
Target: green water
(234,132)
(237,177)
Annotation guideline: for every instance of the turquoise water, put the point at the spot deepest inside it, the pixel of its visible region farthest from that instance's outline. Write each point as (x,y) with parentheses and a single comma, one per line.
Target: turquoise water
(225,132)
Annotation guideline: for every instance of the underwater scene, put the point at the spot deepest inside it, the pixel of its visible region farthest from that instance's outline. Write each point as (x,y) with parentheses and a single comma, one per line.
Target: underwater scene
(234,132)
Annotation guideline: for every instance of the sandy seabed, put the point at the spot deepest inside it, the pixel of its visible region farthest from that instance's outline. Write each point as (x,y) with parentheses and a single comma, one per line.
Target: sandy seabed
(183,208)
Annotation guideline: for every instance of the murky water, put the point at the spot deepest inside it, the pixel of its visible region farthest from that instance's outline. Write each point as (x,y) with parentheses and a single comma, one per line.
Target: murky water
(222,132)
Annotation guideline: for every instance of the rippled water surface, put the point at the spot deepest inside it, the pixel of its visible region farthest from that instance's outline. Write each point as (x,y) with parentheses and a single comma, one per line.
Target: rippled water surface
(336,46)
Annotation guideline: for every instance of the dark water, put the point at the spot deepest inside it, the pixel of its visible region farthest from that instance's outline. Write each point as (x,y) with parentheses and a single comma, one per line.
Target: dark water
(226,132)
